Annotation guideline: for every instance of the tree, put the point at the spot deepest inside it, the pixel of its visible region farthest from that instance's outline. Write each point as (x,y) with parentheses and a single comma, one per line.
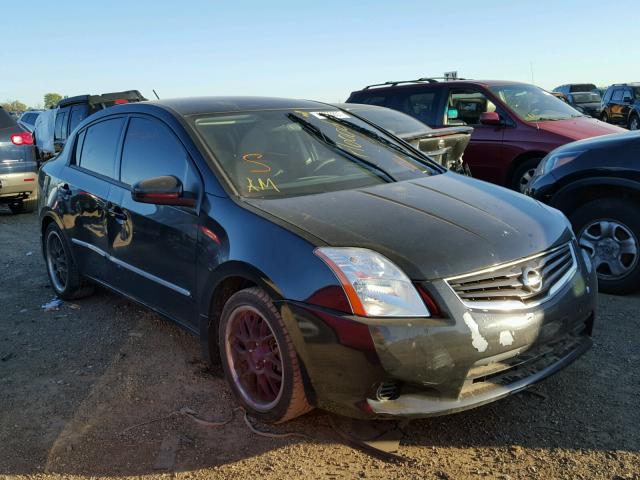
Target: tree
(14,106)
(51,99)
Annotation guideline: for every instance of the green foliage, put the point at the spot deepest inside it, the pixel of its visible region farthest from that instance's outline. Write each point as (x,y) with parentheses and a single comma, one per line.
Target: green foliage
(51,99)
(14,106)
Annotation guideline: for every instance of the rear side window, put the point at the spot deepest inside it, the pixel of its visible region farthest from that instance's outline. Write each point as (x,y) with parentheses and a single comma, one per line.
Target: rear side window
(617,95)
(379,100)
(100,146)
(421,106)
(151,149)
(78,114)
(607,95)
(61,125)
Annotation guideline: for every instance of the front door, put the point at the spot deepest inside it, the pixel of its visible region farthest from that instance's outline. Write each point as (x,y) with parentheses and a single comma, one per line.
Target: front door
(153,247)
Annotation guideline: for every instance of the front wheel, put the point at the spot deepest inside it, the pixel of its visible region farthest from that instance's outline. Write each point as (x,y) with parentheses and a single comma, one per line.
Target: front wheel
(609,231)
(259,360)
(523,174)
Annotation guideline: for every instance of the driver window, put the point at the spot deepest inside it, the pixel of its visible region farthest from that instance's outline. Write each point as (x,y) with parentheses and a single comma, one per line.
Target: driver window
(465,107)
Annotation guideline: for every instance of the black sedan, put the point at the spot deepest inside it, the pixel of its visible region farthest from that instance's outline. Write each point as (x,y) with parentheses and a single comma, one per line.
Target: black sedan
(596,183)
(321,260)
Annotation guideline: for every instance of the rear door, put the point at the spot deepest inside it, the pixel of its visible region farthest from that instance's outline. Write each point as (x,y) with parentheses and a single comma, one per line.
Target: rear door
(153,247)
(84,196)
(615,112)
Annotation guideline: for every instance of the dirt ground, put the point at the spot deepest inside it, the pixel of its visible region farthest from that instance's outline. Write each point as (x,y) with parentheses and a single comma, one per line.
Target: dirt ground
(73,383)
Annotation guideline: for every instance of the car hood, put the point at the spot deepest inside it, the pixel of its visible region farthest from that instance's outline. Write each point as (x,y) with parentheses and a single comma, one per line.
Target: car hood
(579,128)
(434,227)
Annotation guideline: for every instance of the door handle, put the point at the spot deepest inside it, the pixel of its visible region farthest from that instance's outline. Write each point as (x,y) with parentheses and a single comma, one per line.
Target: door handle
(117,213)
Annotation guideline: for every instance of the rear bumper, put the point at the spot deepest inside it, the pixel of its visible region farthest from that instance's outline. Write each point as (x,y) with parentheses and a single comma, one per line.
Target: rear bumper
(18,186)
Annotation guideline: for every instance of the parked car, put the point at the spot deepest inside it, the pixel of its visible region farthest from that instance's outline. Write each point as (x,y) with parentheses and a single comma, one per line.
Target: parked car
(575,88)
(588,103)
(43,134)
(319,259)
(444,145)
(515,124)
(28,120)
(72,110)
(18,168)
(621,105)
(596,183)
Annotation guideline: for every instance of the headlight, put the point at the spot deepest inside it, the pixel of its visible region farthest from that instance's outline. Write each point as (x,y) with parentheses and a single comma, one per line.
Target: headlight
(555,160)
(374,286)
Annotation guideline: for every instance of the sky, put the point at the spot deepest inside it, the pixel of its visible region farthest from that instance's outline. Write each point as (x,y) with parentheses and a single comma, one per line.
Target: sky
(319,50)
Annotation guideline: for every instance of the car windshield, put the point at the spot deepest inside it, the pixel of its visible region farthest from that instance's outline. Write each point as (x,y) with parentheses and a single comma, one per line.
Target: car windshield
(586,97)
(533,104)
(280,153)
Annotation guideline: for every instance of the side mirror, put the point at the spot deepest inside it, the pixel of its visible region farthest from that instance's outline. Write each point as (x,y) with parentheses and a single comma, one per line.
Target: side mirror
(165,190)
(490,118)
(627,100)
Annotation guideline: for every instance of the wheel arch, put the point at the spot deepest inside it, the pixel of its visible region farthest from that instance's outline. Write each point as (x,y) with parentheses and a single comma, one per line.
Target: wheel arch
(47,219)
(228,279)
(520,159)
(575,194)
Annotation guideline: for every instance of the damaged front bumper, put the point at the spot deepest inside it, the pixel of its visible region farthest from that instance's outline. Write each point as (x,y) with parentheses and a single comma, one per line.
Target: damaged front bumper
(421,367)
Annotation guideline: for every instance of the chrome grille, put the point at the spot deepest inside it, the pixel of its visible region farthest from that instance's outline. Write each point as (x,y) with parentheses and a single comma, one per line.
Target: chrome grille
(520,284)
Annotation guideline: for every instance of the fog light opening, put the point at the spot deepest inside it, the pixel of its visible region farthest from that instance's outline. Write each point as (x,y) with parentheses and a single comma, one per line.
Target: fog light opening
(389,390)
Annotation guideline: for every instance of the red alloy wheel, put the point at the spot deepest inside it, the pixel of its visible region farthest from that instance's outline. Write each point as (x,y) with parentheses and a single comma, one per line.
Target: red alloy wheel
(254,358)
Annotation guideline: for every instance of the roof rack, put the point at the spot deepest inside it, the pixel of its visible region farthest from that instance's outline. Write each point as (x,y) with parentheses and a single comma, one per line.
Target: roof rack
(419,80)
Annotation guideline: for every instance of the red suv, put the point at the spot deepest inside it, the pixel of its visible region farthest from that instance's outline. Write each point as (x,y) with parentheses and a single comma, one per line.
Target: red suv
(515,124)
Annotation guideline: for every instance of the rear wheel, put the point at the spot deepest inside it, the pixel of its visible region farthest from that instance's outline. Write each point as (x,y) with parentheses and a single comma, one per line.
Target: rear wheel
(604,117)
(524,173)
(634,122)
(259,360)
(609,231)
(63,273)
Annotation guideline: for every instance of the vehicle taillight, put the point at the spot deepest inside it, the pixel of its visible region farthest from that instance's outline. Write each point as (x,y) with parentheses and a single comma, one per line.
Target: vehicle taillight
(120,101)
(22,138)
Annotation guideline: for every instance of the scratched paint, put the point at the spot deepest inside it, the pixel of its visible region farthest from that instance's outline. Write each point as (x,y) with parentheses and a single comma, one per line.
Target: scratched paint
(477,340)
(506,338)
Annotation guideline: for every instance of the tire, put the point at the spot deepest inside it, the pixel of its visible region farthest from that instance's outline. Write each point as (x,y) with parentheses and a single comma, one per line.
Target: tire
(251,336)
(604,117)
(522,175)
(634,122)
(609,231)
(63,273)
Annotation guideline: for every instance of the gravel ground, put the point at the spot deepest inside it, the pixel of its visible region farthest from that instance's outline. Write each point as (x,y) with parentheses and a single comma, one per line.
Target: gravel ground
(76,383)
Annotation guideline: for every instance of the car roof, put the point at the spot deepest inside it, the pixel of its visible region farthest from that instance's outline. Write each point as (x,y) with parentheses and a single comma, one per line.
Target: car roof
(202,105)
(399,85)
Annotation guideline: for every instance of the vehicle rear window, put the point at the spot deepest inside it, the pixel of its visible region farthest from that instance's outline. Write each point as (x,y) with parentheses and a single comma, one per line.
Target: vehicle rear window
(78,114)
(396,122)
(582,87)
(100,145)
(6,120)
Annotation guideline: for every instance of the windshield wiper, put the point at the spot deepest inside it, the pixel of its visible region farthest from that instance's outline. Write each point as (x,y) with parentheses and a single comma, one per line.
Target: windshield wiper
(311,129)
(370,134)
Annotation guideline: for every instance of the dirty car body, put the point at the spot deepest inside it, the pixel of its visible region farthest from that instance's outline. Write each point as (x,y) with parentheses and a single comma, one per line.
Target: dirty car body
(477,291)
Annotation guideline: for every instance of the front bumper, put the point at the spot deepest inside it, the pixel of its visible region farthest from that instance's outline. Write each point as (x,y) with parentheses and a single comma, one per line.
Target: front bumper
(423,367)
